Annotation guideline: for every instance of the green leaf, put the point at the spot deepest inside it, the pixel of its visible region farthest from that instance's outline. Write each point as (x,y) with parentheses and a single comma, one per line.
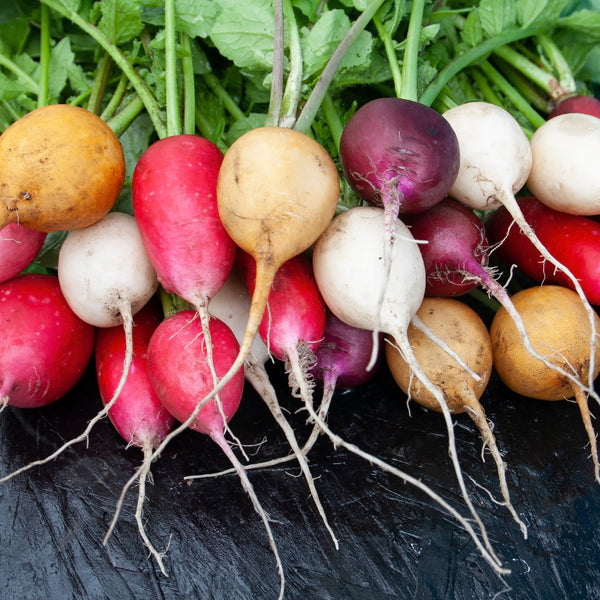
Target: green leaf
(583,21)
(121,20)
(472,33)
(540,12)
(196,18)
(497,15)
(61,57)
(243,33)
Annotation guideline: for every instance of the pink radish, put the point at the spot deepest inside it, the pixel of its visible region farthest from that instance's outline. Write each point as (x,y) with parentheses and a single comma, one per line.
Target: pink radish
(231,304)
(18,247)
(347,262)
(137,414)
(105,277)
(587,105)
(496,162)
(174,191)
(44,347)
(180,374)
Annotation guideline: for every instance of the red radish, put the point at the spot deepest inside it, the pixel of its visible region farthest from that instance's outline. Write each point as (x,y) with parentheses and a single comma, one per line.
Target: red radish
(496,160)
(231,304)
(180,374)
(174,192)
(347,263)
(573,239)
(561,175)
(137,414)
(44,347)
(18,247)
(105,277)
(577,104)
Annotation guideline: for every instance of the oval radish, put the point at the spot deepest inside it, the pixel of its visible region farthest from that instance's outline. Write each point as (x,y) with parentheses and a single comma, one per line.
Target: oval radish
(44,347)
(137,413)
(464,331)
(556,320)
(18,247)
(61,168)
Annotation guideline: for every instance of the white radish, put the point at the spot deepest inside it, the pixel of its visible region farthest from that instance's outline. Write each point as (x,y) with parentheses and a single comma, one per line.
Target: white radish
(348,266)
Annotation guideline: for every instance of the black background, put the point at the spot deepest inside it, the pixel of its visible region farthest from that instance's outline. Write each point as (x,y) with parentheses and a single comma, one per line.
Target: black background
(394,541)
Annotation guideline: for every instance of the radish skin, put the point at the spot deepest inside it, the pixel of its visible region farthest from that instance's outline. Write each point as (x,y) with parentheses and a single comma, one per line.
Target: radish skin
(137,414)
(347,264)
(45,347)
(18,247)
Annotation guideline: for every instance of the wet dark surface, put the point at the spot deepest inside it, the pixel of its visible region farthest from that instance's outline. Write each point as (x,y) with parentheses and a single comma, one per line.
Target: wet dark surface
(394,541)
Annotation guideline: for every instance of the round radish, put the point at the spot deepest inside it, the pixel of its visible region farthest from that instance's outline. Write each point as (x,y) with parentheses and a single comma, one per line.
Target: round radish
(18,247)
(44,347)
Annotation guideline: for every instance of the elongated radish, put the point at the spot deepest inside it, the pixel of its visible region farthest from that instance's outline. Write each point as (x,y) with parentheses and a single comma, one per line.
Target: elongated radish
(106,277)
(556,320)
(174,194)
(462,328)
(44,347)
(61,168)
(231,304)
(347,262)
(561,175)
(18,247)
(180,374)
(137,414)
(496,160)
(573,239)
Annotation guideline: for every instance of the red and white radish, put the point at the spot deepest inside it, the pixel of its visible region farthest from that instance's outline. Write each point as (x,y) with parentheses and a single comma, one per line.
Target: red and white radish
(495,163)
(231,304)
(44,347)
(18,247)
(573,239)
(561,176)
(348,265)
(174,195)
(181,376)
(137,414)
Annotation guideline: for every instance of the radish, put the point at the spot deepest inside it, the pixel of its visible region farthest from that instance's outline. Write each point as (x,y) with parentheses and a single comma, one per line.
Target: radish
(573,239)
(105,277)
(555,318)
(45,347)
(560,176)
(463,329)
(175,205)
(496,160)
(180,374)
(18,247)
(231,304)
(577,104)
(137,414)
(347,262)
(400,155)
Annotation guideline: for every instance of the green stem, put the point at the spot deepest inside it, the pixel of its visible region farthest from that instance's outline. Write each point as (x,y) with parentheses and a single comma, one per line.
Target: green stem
(512,94)
(526,88)
(411,52)
(43,97)
(566,81)
(483,84)
(390,53)
(116,98)
(293,85)
(216,87)
(189,86)
(172,96)
(102,73)
(120,60)
(276,98)
(313,103)
(469,57)
(332,117)
(11,66)
(121,121)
